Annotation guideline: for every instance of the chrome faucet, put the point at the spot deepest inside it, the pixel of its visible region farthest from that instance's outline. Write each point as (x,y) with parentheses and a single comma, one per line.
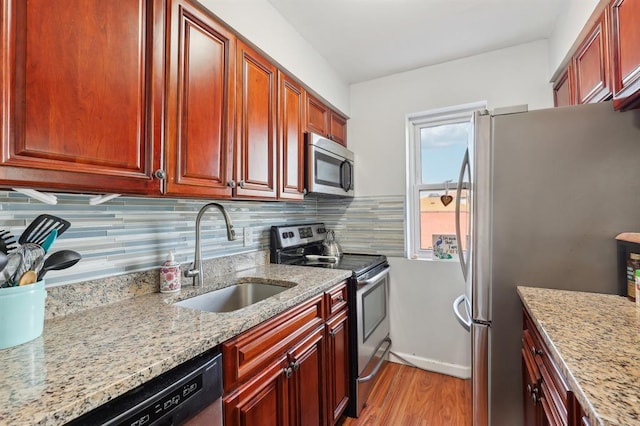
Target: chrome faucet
(195,270)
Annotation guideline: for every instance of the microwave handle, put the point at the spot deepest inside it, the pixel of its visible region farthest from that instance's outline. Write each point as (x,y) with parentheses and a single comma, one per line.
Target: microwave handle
(345,183)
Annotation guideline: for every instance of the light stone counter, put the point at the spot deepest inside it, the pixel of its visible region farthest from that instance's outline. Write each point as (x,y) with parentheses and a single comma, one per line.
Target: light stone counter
(595,340)
(86,358)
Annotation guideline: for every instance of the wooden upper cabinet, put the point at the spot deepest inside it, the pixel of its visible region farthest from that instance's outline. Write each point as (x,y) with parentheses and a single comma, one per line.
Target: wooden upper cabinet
(338,128)
(317,116)
(625,53)
(591,64)
(199,116)
(563,88)
(290,138)
(324,121)
(256,95)
(82,94)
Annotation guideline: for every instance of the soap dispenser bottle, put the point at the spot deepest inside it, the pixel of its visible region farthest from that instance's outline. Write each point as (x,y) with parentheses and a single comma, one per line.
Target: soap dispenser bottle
(170,275)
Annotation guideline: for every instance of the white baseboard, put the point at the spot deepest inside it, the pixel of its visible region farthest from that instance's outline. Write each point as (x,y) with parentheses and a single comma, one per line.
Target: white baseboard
(459,371)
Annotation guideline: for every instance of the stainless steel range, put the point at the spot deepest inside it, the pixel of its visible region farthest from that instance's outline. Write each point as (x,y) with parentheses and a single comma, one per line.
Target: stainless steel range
(368,291)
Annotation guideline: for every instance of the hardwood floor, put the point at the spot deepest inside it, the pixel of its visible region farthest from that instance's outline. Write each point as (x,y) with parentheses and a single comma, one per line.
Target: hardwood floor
(408,396)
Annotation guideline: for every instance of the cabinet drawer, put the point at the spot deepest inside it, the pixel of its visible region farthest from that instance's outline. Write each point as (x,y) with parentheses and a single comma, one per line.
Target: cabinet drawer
(246,354)
(336,299)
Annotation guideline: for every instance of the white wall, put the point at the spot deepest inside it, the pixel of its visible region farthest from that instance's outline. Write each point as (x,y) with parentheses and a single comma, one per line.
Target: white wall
(261,24)
(568,26)
(423,327)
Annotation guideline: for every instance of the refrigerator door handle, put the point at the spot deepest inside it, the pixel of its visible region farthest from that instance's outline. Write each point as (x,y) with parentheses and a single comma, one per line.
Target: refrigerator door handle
(465,164)
(464,320)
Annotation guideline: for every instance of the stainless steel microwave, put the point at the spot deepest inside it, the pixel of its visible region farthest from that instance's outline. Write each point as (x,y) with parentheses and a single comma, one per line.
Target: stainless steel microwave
(329,167)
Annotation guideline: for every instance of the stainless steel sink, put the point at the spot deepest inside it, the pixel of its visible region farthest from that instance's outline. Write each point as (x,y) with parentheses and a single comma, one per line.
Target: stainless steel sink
(234,297)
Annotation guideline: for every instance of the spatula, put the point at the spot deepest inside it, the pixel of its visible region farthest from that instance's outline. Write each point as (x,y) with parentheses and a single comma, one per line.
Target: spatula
(7,242)
(41,227)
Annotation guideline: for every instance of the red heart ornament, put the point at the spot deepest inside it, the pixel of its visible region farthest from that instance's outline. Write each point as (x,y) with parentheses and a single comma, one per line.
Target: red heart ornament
(446,199)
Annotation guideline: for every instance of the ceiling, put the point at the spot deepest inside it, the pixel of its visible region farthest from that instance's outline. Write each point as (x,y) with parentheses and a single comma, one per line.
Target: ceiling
(367,39)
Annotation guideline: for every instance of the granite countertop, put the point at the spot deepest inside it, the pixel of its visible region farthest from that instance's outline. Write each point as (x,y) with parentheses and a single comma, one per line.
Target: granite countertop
(595,340)
(86,358)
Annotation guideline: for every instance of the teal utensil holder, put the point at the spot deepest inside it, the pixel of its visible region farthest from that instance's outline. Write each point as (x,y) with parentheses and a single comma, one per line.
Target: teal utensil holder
(21,313)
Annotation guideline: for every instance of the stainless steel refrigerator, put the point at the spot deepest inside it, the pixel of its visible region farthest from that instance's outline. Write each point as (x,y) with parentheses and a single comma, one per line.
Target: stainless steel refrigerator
(549,191)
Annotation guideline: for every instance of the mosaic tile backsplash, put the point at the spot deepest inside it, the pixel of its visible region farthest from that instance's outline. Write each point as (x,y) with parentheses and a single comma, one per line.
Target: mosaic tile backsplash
(130,234)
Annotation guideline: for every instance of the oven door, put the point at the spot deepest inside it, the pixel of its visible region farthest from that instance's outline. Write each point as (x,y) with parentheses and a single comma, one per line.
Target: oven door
(372,310)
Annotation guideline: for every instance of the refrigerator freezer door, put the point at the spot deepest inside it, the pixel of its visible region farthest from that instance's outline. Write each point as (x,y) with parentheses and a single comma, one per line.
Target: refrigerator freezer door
(479,286)
(480,369)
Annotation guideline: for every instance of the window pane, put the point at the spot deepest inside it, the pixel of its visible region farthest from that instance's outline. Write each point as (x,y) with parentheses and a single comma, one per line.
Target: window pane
(442,150)
(437,219)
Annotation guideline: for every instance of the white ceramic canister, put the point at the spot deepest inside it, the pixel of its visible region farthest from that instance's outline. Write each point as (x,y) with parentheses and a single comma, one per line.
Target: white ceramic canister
(170,275)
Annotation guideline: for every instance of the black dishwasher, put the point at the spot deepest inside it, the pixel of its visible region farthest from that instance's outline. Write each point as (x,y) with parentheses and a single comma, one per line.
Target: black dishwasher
(189,394)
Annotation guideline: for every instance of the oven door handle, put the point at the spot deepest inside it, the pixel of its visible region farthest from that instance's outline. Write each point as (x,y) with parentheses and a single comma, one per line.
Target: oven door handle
(380,361)
(375,278)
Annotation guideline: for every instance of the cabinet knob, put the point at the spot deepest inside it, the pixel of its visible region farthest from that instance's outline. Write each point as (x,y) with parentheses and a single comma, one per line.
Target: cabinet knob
(535,351)
(241,184)
(305,192)
(339,299)
(160,174)
(332,333)
(288,372)
(231,184)
(295,366)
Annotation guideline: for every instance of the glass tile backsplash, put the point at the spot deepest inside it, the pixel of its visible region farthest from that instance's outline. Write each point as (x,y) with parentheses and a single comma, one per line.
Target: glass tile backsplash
(129,234)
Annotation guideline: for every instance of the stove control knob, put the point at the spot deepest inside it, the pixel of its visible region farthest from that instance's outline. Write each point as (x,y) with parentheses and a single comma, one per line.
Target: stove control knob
(285,235)
(290,234)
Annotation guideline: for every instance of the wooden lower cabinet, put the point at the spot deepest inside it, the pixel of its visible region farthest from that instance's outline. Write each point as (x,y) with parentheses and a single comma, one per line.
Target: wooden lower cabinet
(291,369)
(338,365)
(263,400)
(547,398)
(307,380)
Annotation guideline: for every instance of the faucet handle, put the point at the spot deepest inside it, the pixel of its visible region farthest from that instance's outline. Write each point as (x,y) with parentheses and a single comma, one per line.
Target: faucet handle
(191,272)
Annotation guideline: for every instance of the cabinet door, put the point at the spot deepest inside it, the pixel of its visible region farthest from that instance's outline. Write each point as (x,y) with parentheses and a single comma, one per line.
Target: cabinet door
(307,385)
(625,40)
(199,123)
(337,366)
(256,127)
(317,116)
(81,94)
(563,90)
(263,401)
(591,63)
(291,138)
(338,128)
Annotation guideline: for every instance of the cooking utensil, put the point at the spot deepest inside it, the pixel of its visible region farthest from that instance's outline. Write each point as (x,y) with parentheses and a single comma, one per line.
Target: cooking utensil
(28,277)
(3,260)
(319,258)
(48,242)
(13,262)
(30,254)
(59,260)
(331,246)
(41,227)
(7,242)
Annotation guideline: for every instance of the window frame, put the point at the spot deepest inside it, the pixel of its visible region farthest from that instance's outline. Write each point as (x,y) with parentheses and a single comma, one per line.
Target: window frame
(414,123)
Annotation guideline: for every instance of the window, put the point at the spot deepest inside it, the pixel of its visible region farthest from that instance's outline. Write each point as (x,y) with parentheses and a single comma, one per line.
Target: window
(437,143)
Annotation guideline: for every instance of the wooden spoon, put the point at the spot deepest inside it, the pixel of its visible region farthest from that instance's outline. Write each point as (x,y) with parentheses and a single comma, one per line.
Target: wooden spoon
(28,277)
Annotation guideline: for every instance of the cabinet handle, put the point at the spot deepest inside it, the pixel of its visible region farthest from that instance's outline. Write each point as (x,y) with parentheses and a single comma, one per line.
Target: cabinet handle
(339,299)
(241,184)
(231,184)
(295,366)
(535,351)
(305,192)
(288,372)
(332,333)
(160,174)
